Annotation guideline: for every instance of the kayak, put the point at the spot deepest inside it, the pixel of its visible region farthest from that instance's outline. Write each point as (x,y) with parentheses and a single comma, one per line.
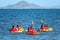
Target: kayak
(50,29)
(19,31)
(46,30)
(30,33)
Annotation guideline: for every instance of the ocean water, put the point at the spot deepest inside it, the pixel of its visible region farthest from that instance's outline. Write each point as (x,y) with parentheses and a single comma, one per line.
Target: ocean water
(10,17)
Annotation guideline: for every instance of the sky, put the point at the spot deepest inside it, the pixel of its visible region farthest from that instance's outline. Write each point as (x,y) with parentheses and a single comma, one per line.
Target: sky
(37,2)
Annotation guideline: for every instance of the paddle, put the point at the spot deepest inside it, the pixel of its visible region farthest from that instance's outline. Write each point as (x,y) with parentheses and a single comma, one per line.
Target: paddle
(22,22)
(33,23)
(34,27)
(42,22)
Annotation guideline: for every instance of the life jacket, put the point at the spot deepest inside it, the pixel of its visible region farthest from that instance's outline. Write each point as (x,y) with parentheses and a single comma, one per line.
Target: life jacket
(17,28)
(30,29)
(34,30)
(45,28)
(13,29)
(41,29)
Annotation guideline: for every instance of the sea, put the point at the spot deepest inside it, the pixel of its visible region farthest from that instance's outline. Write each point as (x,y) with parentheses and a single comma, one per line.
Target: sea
(10,17)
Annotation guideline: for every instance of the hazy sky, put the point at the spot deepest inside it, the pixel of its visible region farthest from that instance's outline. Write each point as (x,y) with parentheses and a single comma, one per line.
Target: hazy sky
(38,2)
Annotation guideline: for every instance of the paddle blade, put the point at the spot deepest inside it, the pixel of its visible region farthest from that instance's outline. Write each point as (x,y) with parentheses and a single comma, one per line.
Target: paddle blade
(32,22)
(22,22)
(41,21)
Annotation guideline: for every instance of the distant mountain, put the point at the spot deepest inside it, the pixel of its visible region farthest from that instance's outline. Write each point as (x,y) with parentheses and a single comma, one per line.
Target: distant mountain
(22,5)
(26,5)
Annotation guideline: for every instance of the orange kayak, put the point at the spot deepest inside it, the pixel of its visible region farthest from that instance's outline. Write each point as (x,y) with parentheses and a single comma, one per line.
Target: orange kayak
(46,30)
(33,33)
(13,31)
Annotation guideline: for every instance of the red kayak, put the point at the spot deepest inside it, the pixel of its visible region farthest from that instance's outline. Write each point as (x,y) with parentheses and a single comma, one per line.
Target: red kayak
(32,31)
(44,28)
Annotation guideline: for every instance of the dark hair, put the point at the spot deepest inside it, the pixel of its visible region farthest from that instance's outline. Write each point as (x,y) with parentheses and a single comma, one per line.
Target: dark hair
(12,26)
(17,25)
(42,26)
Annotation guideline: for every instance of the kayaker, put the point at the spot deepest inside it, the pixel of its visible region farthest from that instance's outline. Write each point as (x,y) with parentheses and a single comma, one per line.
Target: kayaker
(41,29)
(30,29)
(13,29)
(45,28)
(42,24)
(18,27)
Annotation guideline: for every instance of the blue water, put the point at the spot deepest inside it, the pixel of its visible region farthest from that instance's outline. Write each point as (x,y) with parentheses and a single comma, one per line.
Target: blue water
(10,17)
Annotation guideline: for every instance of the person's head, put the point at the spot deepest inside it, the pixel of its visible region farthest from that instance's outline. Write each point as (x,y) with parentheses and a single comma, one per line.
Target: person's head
(42,26)
(12,26)
(17,25)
